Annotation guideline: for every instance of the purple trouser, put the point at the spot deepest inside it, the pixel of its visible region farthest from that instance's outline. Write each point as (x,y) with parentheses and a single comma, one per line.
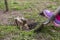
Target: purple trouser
(48,13)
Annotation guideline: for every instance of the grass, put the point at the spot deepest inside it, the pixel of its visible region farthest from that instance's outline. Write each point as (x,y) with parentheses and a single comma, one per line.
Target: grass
(1,5)
(34,8)
(6,31)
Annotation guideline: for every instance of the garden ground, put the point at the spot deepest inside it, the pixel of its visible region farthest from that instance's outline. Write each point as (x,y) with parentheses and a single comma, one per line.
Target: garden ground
(28,9)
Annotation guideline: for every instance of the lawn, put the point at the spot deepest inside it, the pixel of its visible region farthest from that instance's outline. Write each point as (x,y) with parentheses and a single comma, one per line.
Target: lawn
(30,9)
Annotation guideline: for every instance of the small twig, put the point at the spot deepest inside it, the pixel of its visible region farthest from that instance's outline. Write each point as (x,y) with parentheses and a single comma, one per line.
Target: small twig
(6,5)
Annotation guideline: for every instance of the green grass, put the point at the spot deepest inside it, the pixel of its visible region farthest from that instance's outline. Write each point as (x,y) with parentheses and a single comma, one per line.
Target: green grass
(7,30)
(16,6)
(1,4)
(46,33)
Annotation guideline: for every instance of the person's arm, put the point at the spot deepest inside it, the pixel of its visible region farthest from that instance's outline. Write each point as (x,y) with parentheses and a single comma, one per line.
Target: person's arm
(48,21)
(57,11)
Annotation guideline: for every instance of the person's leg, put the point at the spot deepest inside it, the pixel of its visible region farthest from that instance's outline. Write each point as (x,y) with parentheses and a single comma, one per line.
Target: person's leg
(56,25)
